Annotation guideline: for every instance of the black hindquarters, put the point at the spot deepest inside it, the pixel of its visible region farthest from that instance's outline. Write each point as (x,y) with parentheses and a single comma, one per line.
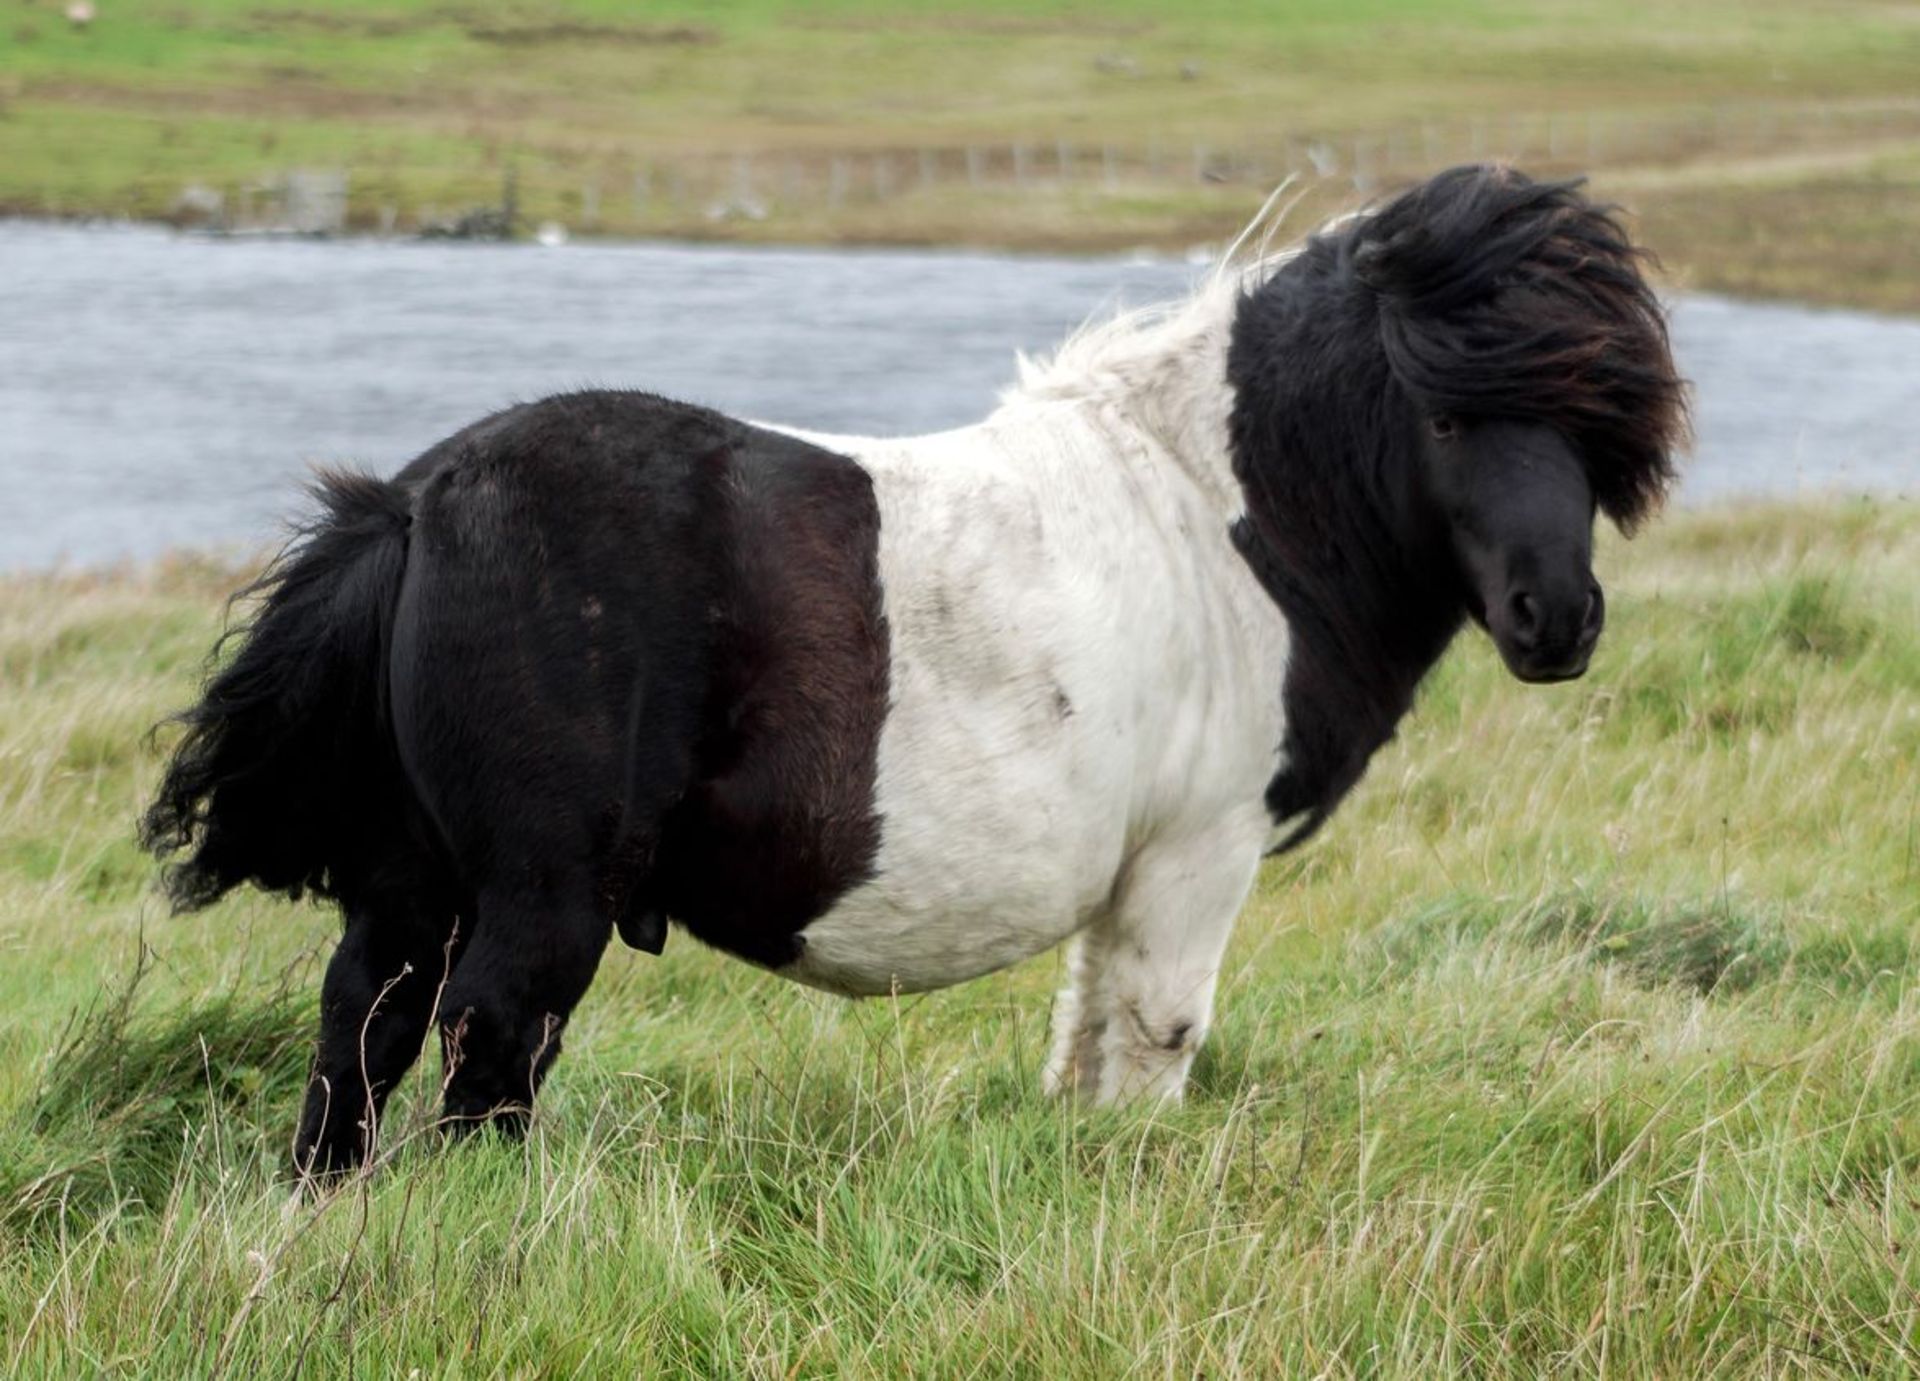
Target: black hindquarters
(639,669)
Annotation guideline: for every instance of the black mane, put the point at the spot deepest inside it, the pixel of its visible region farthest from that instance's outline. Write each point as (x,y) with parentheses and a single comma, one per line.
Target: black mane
(1479,294)
(1498,296)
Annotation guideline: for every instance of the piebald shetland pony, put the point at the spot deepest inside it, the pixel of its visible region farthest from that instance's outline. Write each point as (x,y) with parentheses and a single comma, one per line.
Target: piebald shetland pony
(885,715)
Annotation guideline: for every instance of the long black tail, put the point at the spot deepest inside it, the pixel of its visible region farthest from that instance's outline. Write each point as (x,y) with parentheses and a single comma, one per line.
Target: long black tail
(290,748)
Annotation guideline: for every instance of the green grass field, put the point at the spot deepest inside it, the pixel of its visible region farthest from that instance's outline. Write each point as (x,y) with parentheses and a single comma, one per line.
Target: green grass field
(1585,1041)
(1788,162)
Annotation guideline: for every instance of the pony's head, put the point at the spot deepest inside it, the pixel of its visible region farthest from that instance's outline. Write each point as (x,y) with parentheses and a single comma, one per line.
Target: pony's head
(1462,376)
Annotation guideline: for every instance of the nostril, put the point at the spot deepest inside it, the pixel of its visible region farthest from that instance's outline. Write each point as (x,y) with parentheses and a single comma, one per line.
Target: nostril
(1523,614)
(1595,614)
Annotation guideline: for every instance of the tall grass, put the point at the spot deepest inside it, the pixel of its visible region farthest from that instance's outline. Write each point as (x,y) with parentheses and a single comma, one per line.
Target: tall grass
(1586,1041)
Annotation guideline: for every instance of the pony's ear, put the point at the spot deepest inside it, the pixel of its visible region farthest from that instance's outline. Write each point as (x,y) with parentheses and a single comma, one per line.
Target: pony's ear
(1388,247)
(1411,266)
(1408,268)
(1373,265)
(1367,263)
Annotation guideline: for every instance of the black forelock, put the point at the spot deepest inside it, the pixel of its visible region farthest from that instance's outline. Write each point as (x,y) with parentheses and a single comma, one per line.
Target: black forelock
(1499,296)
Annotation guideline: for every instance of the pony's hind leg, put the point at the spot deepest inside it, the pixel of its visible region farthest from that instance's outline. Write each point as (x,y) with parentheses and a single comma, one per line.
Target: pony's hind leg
(1080,1013)
(1158,961)
(530,960)
(376,1004)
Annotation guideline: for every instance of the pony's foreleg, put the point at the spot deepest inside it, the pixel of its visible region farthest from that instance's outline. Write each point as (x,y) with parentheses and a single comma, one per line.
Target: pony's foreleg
(530,960)
(1177,906)
(375,1006)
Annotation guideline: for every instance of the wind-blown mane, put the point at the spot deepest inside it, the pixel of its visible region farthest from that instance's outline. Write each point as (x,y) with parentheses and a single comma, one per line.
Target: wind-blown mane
(1159,368)
(1500,296)
(1132,349)
(1491,295)
(1118,353)
(1486,294)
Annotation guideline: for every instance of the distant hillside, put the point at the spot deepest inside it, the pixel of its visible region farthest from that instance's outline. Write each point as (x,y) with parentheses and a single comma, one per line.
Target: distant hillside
(1774,147)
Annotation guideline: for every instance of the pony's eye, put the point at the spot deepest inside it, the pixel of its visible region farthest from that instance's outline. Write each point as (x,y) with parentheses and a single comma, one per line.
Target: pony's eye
(1444,428)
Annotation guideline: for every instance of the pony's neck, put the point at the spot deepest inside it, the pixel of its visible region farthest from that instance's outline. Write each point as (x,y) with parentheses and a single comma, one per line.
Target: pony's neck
(1362,636)
(1335,534)
(1366,619)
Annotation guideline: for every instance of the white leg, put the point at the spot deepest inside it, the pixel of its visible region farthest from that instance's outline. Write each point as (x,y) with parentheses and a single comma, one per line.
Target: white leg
(1177,906)
(1080,1014)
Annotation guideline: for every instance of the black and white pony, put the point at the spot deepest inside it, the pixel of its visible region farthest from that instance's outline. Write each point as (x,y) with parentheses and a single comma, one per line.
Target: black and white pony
(883,715)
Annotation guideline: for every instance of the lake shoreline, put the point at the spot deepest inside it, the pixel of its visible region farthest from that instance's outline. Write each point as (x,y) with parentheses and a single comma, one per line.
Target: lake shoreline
(1728,279)
(166,390)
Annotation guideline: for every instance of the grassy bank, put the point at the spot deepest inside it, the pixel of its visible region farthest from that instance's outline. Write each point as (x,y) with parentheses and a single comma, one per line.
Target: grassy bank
(1774,148)
(1586,1040)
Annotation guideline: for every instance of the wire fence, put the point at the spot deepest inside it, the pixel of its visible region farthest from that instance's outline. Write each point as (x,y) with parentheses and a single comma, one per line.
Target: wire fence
(648,188)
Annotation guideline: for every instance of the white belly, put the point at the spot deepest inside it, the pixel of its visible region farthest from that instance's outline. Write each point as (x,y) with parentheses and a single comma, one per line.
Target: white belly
(864,948)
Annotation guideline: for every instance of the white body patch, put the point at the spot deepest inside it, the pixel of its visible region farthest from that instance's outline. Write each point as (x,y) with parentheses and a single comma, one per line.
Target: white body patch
(1085,673)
